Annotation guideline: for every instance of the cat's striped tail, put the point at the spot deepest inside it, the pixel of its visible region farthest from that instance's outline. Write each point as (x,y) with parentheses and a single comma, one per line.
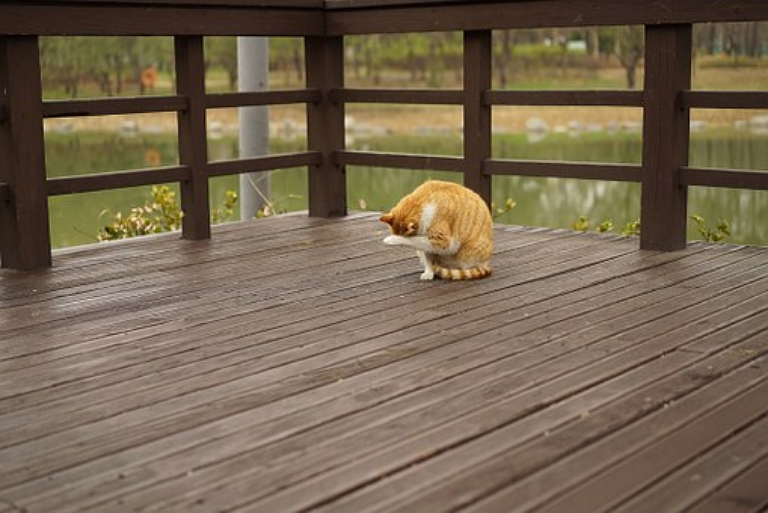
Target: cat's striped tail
(463,274)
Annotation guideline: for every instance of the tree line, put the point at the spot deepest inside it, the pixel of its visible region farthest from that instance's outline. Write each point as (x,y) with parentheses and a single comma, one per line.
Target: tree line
(117,65)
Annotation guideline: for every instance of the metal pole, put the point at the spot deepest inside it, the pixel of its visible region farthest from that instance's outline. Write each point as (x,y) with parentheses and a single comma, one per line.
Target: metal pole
(252,75)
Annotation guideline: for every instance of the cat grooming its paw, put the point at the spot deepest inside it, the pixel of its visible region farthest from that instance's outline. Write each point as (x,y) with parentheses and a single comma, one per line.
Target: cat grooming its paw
(449,226)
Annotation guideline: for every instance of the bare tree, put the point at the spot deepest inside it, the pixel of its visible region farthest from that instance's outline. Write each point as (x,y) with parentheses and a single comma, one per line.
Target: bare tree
(630,44)
(503,56)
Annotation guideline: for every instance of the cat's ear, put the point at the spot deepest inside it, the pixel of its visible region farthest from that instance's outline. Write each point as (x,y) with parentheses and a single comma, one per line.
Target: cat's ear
(387,218)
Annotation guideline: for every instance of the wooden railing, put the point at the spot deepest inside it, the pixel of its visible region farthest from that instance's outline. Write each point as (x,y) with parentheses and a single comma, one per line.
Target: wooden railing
(666,101)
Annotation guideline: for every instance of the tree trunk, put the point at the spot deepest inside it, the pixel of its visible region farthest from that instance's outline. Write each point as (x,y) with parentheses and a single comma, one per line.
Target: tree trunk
(631,76)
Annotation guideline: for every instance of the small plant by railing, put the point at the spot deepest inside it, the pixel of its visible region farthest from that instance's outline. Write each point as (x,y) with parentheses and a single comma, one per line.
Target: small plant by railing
(717,233)
(161,213)
(509,204)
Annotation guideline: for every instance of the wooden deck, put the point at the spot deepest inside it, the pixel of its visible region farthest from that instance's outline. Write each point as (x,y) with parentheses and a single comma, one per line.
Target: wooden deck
(298,363)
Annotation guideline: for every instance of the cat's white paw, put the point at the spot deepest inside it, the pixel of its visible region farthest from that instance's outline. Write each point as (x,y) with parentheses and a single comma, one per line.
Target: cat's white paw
(427,275)
(393,240)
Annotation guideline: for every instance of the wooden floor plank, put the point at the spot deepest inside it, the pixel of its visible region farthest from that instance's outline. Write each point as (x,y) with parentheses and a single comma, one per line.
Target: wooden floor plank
(657,418)
(188,334)
(288,317)
(261,270)
(646,466)
(689,484)
(128,279)
(573,452)
(299,362)
(744,493)
(515,432)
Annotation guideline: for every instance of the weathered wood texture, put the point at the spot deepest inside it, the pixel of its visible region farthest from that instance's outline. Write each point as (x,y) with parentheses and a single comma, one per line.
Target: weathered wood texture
(367,17)
(24,233)
(297,362)
(110,18)
(666,136)
(193,143)
(477,113)
(324,62)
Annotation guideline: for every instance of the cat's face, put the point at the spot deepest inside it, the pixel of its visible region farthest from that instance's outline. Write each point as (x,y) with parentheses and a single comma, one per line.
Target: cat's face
(400,225)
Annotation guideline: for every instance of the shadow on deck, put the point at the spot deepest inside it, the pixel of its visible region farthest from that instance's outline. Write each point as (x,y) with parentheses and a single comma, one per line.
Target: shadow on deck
(293,363)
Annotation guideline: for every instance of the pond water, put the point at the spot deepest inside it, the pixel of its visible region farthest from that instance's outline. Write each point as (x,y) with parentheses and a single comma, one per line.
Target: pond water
(556,203)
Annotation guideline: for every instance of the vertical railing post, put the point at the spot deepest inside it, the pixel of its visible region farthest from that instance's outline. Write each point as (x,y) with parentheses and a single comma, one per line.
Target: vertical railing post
(325,126)
(666,135)
(25,241)
(477,114)
(193,144)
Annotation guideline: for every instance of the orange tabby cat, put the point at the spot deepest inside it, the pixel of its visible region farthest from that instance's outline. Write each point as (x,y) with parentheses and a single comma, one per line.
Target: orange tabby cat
(450,228)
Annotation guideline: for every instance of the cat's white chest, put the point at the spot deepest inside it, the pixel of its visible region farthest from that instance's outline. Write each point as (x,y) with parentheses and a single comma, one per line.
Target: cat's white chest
(427,216)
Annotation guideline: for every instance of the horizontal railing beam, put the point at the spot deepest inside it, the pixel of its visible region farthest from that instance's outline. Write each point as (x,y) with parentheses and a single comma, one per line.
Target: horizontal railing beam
(255,98)
(169,174)
(113,106)
(398,160)
(294,4)
(566,98)
(725,99)
(143,105)
(729,178)
(411,96)
(109,20)
(117,180)
(268,163)
(536,14)
(578,170)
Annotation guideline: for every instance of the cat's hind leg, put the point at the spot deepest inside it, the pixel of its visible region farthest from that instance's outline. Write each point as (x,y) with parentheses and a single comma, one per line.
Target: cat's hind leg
(440,242)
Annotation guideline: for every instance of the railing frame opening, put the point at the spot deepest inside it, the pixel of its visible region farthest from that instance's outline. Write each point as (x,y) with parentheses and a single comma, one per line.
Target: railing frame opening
(666,100)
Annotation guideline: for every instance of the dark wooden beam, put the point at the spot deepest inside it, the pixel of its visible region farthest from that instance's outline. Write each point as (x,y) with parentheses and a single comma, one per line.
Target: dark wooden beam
(536,14)
(567,98)
(398,160)
(477,113)
(111,106)
(293,4)
(193,143)
(731,178)
(153,20)
(357,4)
(228,100)
(268,163)
(666,136)
(578,170)
(117,180)
(324,58)
(24,231)
(415,96)
(725,99)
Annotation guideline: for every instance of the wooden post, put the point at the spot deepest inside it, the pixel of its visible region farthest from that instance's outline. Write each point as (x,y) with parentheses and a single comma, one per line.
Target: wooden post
(325,126)
(25,241)
(666,135)
(477,115)
(193,143)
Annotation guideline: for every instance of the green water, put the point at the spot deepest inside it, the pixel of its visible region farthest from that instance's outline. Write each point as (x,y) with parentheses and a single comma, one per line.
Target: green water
(557,203)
